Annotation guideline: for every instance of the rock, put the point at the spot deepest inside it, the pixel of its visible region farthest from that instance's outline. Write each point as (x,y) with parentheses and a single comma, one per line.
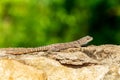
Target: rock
(14,70)
(56,71)
(103,63)
(113,73)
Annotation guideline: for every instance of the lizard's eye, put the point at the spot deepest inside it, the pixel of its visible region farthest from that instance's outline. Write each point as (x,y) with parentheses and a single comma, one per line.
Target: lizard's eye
(88,38)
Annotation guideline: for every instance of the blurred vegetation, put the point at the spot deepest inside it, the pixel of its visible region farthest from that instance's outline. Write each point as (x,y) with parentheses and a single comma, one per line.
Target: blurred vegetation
(30,23)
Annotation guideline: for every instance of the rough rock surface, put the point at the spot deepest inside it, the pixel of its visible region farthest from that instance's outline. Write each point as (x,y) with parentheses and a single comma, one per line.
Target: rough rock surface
(14,70)
(56,71)
(84,63)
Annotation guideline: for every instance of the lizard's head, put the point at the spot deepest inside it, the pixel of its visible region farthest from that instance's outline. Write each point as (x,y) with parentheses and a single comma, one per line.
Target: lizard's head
(85,40)
(88,38)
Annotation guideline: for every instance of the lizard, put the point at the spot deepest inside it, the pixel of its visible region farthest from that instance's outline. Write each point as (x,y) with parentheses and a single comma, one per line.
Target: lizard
(50,48)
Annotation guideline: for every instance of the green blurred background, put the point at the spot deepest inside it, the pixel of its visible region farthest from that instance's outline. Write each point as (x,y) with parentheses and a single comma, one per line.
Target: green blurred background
(32,23)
